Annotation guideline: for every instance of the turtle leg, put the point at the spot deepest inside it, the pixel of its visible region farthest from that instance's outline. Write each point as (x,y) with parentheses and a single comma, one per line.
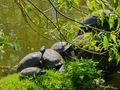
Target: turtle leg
(62,69)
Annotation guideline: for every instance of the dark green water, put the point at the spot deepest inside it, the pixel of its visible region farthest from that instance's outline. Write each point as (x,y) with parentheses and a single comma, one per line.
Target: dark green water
(19,32)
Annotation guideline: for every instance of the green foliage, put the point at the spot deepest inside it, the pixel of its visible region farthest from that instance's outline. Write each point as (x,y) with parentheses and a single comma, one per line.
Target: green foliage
(91,5)
(53,80)
(4,41)
(12,82)
(80,75)
(116,3)
(84,74)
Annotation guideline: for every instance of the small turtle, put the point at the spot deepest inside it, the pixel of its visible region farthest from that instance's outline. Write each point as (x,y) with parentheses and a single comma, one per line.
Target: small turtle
(31,60)
(90,20)
(52,59)
(30,71)
(62,47)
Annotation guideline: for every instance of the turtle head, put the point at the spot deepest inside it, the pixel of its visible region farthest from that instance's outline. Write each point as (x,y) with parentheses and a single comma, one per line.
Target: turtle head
(95,16)
(42,49)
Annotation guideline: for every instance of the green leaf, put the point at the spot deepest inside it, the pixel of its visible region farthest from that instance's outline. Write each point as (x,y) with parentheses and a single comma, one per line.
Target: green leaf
(117,56)
(28,9)
(76,2)
(14,46)
(105,42)
(113,37)
(116,3)
(111,55)
(111,22)
(69,4)
(103,5)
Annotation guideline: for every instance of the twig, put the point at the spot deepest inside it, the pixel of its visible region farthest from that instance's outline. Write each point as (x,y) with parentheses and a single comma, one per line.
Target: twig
(48,19)
(24,16)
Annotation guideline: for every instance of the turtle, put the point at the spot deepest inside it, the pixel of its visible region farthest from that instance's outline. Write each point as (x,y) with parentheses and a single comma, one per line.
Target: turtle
(52,59)
(88,21)
(30,71)
(31,60)
(62,47)
(94,21)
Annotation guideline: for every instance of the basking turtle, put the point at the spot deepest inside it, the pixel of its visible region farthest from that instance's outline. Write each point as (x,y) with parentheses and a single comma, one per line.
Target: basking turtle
(31,60)
(94,21)
(62,47)
(52,59)
(30,71)
(90,20)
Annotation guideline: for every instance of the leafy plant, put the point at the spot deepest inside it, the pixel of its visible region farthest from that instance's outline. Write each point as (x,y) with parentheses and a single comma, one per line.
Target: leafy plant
(84,74)
(79,75)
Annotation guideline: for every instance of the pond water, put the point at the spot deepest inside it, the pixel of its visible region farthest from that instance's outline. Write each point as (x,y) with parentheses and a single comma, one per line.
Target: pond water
(13,25)
(19,32)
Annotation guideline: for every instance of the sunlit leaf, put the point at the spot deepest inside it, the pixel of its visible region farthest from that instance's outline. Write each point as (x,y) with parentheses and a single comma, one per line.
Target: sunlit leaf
(91,4)
(111,22)
(102,3)
(77,2)
(113,37)
(105,42)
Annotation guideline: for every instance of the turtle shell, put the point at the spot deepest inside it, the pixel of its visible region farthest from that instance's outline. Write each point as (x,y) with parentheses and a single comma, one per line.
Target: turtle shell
(90,20)
(30,60)
(61,46)
(51,58)
(30,71)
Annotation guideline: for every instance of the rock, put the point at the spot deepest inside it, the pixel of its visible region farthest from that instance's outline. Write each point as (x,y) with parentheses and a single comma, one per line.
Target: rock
(30,60)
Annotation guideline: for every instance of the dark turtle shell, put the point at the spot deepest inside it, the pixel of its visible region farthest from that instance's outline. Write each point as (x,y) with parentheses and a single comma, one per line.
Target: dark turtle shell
(90,20)
(30,71)
(30,60)
(51,58)
(61,46)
